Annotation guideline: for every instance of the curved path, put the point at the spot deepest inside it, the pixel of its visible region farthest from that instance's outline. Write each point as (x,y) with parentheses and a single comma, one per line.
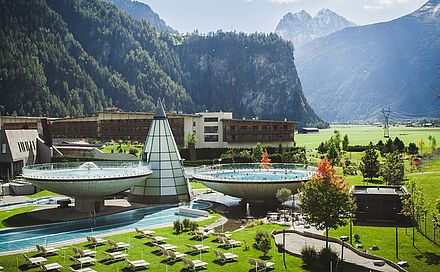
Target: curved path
(294,243)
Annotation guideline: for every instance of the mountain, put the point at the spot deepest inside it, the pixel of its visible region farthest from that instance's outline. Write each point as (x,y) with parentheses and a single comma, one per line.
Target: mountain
(252,75)
(301,27)
(141,11)
(361,69)
(75,57)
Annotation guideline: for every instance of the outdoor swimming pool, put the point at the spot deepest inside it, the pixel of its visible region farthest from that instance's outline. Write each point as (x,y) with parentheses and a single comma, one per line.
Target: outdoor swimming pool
(28,237)
(260,175)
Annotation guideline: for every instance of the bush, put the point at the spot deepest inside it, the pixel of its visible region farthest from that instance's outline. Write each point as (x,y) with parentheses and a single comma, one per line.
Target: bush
(193,226)
(309,256)
(263,241)
(327,255)
(177,226)
(318,261)
(186,222)
(254,223)
(356,148)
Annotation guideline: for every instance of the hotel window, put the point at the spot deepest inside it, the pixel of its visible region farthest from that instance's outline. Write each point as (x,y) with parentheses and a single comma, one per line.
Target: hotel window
(243,128)
(19,146)
(211,129)
(232,128)
(3,149)
(210,119)
(211,138)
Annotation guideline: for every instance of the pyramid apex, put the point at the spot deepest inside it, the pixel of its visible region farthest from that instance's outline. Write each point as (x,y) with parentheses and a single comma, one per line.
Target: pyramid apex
(160,112)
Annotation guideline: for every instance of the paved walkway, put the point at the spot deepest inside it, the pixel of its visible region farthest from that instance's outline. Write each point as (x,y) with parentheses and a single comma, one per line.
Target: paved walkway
(294,243)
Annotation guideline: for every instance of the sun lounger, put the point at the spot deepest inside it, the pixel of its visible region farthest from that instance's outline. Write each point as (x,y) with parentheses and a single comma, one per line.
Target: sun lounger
(197,248)
(229,242)
(260,264)
(87,269)
(118,245)
(165,246)
(83,260)
(83,252)
(116,255)
(96,241)
(200,235)
(133,265)
(193,264)
(175,255)
(51,267)
(144,233)
(35,261)
(224,257)
(46,251)
(158,239)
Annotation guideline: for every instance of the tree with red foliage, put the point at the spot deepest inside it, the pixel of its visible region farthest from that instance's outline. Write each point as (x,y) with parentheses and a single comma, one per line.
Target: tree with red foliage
(325,199)
(265,161)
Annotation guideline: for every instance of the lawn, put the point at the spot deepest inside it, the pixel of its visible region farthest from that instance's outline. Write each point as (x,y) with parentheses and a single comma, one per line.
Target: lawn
(7,217)
(122,148)
(42,194)
(141,249)
(362,135)
(197,185)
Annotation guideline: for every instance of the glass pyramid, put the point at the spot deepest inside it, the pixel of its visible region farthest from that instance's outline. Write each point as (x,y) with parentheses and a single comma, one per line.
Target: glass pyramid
(167,184)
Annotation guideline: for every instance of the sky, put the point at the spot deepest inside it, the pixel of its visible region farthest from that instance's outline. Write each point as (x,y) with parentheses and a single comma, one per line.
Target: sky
(263,15)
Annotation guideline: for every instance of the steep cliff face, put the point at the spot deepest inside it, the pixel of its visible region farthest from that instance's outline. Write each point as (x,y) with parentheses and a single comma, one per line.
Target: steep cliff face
(252,75)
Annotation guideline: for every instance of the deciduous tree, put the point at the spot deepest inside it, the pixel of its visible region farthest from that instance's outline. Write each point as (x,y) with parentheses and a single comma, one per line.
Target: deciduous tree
(325,198)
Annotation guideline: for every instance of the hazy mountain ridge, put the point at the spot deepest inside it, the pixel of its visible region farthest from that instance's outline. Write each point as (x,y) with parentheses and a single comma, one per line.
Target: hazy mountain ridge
(75,57)
(301,27)
(141,11)
(364,68)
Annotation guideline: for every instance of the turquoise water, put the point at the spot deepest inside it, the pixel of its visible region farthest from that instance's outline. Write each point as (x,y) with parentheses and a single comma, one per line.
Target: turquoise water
(259,175)
(28,237)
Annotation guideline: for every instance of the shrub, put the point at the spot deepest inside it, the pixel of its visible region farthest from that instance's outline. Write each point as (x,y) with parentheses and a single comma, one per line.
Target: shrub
(177,226)
(186,223)
(263,241)
(193,225)
(254,223)
(327,255)
(309,256)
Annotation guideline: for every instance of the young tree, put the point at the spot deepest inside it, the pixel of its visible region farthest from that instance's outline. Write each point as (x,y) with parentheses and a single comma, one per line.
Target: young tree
(369,165)
(412,149)
(345,143)
(283,194)
(337,140)
(263,241)
(421,145)
(387,148)
(325,198)
(257,152)
(398,145)
(391,170)
(333,154)
(322,149)
(432,143)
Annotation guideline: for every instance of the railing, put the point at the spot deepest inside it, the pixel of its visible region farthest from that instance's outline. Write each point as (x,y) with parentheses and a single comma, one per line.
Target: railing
(95,170)
(211,172)
(253,166)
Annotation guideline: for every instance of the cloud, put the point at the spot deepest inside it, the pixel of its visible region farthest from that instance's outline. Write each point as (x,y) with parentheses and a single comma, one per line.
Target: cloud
(377,5)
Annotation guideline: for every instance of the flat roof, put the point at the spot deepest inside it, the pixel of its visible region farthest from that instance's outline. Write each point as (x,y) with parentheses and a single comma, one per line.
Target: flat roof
(378,190)
(258,120)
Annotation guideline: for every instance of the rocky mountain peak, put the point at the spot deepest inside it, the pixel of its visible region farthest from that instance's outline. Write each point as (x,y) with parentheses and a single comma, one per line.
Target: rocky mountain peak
(430,9)
(301,27)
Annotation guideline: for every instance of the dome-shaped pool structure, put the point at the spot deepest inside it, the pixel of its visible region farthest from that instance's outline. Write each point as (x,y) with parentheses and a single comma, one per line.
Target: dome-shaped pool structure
(253,182)
(88,182)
